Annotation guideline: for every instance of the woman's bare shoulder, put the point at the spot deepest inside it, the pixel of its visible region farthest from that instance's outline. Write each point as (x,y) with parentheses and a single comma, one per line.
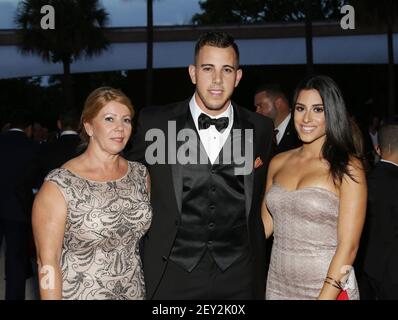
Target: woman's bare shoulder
(281,158)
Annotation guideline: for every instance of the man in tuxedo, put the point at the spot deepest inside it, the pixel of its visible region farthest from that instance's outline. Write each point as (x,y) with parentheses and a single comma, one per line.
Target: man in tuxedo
(55,154)
(381,232)
(207,239)
(271,101)
(16,198)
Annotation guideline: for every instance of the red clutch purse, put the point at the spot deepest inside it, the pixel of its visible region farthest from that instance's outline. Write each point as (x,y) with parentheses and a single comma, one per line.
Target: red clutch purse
(342,295)
(347,282)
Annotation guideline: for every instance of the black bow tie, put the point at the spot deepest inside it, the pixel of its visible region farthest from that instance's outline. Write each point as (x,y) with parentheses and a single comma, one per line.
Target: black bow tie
(205,121)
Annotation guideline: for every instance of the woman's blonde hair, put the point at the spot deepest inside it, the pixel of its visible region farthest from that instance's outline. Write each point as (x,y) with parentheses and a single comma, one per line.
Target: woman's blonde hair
(98,99)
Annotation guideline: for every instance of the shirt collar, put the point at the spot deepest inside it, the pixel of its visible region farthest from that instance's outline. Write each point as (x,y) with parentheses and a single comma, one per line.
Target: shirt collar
(386,161)
(16,129)
(68,132)
(283,125)
(196,111)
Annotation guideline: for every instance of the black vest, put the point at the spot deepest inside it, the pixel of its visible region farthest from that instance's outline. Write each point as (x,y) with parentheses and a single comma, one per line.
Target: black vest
(213,215)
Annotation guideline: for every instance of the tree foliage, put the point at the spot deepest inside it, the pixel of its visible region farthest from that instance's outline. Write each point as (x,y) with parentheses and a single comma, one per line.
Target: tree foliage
(381,12)
(79,26)
(78,29)
(257,11)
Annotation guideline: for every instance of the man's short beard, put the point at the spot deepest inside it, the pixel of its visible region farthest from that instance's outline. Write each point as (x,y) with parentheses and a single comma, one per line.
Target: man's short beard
(213,107)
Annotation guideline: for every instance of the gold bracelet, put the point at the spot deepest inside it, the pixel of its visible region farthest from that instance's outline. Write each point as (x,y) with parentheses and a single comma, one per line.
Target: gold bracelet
(337,283)
(329,283)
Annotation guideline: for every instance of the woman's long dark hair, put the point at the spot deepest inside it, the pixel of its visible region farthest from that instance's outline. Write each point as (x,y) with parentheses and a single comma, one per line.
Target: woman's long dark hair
(339,145)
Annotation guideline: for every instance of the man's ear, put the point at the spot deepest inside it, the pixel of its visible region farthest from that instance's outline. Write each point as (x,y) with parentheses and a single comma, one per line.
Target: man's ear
(192,73)
(277,102)
(29,131)
(239,74)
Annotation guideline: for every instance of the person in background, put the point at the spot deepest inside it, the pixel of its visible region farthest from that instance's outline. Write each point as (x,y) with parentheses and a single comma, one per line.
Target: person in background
(271,101)
(17,176)
(380,245)
(39,133)
(373,128)
(5,127)
(56,153)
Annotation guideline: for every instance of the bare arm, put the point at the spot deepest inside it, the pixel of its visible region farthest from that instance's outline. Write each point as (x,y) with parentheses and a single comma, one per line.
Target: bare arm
(352,211)
(265,215)
(148,185)
(48,221)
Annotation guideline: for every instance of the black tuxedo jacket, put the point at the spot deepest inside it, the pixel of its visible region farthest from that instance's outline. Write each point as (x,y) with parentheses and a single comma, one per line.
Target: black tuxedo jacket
(381,232)
(17,175)
(290,138)
(55,154)
(166,190)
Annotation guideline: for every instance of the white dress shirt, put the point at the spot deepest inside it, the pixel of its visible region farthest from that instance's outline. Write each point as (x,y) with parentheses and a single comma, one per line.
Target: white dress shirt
(68,133)
(212,140)
(282,128)
(375,139)
(16,129)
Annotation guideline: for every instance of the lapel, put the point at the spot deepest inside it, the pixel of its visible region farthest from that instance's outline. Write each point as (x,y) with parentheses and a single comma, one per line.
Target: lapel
(176,169)
(241,122)
(288,132)
(388,166)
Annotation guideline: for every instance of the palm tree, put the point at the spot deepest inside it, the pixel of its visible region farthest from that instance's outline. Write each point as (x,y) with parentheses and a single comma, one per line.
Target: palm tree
(78,32)
(384,13)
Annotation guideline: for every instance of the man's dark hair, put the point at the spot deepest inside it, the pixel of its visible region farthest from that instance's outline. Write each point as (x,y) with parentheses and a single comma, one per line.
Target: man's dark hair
(70,120)
(216,39)
(388,137)
(273,91)
(21,119)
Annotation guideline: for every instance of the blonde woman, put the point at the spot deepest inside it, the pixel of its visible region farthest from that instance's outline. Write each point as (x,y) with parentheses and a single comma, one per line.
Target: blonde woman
(90,214)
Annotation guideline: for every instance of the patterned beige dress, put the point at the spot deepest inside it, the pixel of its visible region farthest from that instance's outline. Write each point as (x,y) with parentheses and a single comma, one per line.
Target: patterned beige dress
(305,241)
(105,220)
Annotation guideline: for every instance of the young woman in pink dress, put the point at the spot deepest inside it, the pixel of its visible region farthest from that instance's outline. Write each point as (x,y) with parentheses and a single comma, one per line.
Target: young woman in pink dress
(315,201)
